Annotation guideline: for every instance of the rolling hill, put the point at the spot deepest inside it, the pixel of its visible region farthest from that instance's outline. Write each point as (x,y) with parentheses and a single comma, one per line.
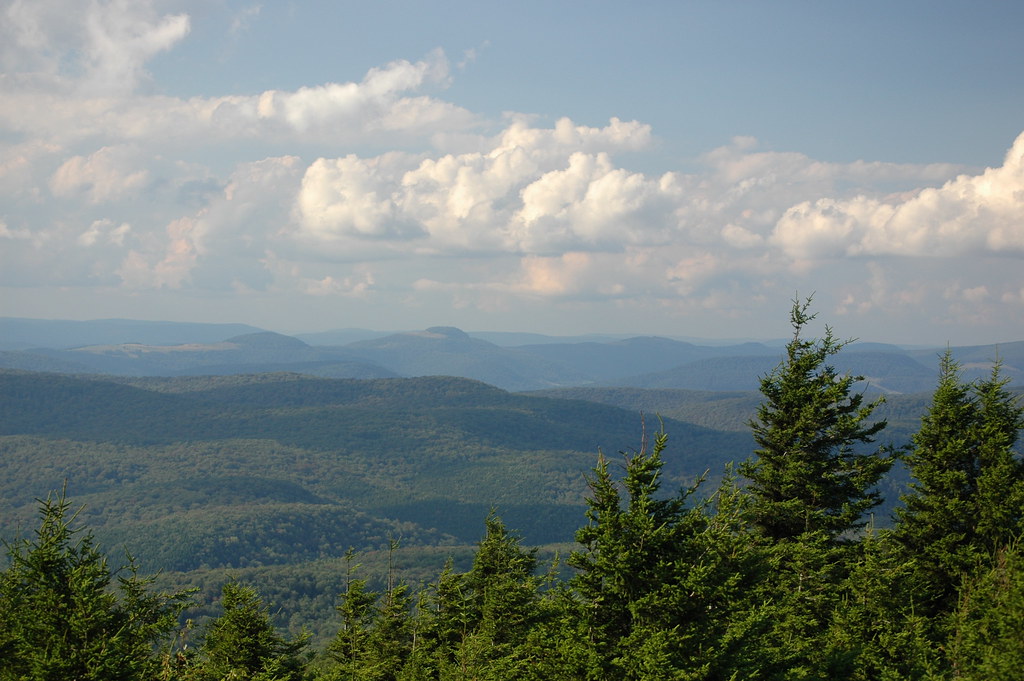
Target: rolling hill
(521,362)
(425,457)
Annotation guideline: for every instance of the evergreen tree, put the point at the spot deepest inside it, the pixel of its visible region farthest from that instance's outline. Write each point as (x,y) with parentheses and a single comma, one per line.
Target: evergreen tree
(1000,496)
(350,646)
(444,622)
(876,630)
(390,641)
(933,524)
(808,476)
(810,483)
(987,640)
(377,635)
(965,499)
(655,578)
(64,614)
(243,644)
(503,599)
(480,622)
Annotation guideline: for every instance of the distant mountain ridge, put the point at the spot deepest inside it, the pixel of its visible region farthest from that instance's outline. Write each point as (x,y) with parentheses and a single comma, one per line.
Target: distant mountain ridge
(542,362)
(19,333)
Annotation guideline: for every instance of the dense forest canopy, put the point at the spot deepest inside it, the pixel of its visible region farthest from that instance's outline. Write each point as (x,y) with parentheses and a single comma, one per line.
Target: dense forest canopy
(768,569)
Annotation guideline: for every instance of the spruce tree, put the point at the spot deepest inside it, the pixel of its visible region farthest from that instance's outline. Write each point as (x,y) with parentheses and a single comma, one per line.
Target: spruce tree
(1000,500)
(242,643)
(877,630)
(809,474)
(934,523)
(481,620)
(986,637)
(810,483)
(349,649)
(64,614)
(390,640)
(444,623)
(656,577)
(965,499)
(378,633)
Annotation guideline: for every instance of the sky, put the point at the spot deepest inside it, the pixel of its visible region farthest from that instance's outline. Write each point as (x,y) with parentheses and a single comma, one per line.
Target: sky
(646,168)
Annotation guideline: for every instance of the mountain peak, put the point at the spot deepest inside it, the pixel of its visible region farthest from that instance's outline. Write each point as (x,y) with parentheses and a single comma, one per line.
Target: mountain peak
(446,332)
(267,339)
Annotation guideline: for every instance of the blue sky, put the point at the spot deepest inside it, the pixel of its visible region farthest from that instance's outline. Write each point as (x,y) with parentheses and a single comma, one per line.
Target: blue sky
(674,168)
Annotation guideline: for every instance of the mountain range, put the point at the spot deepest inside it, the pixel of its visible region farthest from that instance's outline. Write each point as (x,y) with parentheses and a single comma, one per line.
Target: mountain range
(519,362)
(213,451)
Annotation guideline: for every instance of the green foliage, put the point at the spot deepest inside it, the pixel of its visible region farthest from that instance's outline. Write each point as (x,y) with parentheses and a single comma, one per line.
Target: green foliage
(376,635)
(421,458)
(64,614)
(986,639)
(813,479)
(720,410)
(966,499)
(660,582)
(479,623)
(877,632)
(243,644)
(1001,472)
(809,476)
(770,581)
(357,610)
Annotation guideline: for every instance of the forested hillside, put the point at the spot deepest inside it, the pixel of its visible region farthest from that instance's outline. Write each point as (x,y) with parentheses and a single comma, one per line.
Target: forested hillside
(771,569)
(433,454)
(272,472)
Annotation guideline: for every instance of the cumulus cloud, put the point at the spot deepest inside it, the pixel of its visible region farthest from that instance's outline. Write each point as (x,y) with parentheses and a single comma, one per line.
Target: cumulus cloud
(98,46)
(106,175)
(566,274)
(550,204)
(104,183)
(172,267)
(971,214)
(589,202)
(8,233)
(104,231)
(352,197)
(532,191)
(356,286)
(385,104)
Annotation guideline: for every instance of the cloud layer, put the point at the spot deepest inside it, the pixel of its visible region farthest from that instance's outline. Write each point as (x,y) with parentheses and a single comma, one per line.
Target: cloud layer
(389,193)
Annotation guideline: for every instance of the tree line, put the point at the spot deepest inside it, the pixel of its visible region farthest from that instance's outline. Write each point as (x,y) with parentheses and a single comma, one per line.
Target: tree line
(778,573)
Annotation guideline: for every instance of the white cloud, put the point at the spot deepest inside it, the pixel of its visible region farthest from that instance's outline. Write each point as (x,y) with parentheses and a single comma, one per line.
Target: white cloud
(8,233)
(557,221)
(170,268)
(545,191)
(222,193)
(98,45)
(375,104)
(531,191)
(244,18)
(357,286)
(382,106)
(593,205)
(557,276)
(741,238)
(971,214)
(104,231)
(109,174)
(352,197)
